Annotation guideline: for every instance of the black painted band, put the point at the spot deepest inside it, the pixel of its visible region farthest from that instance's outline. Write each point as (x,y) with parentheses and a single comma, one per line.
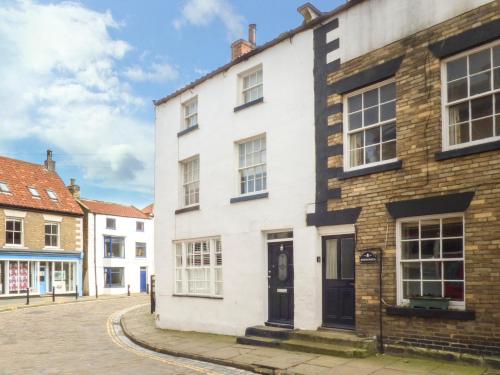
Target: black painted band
(466,40)
(470,150)
(249,104)
(187,130)
(339,217)
(333,45)
(187,209)
(247,198)
(335,193)
(371,170)
(432,313)
(335,128)
(442,204)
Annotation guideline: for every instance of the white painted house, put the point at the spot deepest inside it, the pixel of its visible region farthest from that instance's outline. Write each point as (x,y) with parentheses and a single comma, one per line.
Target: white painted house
(118,248)
(240,202)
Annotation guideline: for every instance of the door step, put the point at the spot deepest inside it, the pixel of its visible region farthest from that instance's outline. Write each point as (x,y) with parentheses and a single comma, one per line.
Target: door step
(335,343)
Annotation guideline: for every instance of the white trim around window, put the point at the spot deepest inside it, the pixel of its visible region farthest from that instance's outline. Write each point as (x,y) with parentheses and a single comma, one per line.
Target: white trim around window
(369,131)
(430,258)
(52,235)
(251,85)
(14,231)
(189,113)
(198,267)
(470,91)
(189,182)
(252,165)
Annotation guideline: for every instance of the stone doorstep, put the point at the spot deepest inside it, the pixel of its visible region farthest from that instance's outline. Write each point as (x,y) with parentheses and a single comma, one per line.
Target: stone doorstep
(444,355)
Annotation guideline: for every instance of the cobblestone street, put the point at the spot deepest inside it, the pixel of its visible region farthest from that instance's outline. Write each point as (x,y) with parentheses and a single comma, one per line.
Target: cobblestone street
(75,339)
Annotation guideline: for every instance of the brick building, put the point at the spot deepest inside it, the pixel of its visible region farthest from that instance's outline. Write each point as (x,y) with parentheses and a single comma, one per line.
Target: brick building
(41,231)
(408,171)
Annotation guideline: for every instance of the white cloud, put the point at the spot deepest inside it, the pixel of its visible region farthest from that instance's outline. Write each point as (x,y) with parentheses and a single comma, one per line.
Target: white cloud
(156,73)
(203,12)
(60,85)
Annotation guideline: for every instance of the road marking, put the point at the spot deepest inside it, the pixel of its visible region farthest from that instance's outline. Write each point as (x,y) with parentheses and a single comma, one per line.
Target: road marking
(114,319)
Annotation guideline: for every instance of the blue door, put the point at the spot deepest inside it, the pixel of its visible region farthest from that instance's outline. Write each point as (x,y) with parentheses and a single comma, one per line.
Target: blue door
(43,287)
(143,279)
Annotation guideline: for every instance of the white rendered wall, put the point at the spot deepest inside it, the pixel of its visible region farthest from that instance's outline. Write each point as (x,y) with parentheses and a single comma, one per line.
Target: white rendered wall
(125,227)
(287,119)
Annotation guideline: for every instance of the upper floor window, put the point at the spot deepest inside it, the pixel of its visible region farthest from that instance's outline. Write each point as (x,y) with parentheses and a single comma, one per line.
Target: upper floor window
(4,188)
(191,182)
(252,165)
(34,192)
(371,126)
(114,247)
(471,97)
(190,109)
(52,195)
(110,223)
(139,226)
(140,250)
(252,86)
(51,234)
(13,231)
(430,253)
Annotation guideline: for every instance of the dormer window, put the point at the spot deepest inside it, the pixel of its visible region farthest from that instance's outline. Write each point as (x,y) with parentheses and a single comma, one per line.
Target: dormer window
(34,192)
(4,188)
(52,195)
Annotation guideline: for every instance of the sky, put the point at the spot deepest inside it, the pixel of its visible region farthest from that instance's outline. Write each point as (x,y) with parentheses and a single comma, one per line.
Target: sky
(80,78)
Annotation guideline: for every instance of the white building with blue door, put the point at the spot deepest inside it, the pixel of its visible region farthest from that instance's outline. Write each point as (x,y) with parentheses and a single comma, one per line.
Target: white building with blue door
(118,247)
(41,234)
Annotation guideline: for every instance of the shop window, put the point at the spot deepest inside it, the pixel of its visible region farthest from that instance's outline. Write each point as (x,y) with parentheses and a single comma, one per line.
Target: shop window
(114,277)
(430,253)
(110,223)
(114,247)
(139,226)
(52,235)
(14,232)
(140,250)
(195,262)
(471,103)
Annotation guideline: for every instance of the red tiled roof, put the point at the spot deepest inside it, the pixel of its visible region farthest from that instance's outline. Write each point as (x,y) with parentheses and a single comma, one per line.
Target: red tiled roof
(149,210)
(114,209)
(19,175)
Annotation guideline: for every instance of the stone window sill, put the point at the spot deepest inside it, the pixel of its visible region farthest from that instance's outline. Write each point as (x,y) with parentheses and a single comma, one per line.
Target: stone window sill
(395,165)
(249,104)
(197,296)
(246,198)
(187,130)
(432,313)
(187,209)
(468,150)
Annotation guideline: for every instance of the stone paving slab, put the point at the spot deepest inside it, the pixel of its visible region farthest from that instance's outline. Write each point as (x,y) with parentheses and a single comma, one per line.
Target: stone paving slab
(139,326)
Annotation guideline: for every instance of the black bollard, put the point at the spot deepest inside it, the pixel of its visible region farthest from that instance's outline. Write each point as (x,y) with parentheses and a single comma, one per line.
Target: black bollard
(128,290)
(28,296)
(147,288)
(53,294)
(76,293)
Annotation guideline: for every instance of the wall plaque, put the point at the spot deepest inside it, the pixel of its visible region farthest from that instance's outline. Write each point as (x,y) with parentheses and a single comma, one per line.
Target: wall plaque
(368,257)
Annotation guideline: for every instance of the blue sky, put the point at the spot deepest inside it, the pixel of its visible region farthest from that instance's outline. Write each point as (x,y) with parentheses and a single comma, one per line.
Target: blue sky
(79,78)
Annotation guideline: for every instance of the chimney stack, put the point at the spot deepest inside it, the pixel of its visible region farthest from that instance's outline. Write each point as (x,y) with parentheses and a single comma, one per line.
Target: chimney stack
(242,46)
(50,164)
(74,189)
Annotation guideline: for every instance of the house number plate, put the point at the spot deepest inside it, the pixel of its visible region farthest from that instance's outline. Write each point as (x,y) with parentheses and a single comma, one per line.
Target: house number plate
(282,290)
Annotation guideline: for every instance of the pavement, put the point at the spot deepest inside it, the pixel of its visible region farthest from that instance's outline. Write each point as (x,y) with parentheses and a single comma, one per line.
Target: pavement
(79,338)
(139,326)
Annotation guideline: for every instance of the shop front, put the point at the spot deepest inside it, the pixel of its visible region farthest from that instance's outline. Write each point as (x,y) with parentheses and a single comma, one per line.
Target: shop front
(39,272)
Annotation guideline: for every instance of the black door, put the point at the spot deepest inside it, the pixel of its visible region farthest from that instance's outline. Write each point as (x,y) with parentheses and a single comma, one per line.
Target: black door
(338,282)
(280,283)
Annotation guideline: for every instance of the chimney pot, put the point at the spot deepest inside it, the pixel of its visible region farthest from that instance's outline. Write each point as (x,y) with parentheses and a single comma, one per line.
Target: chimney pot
(50,164)
(73,188)
(252,34)
(242,46)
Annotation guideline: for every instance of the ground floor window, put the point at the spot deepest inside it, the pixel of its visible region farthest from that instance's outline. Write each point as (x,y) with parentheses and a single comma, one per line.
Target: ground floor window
(114,277)
(430,253)
(16,276)
(198,267)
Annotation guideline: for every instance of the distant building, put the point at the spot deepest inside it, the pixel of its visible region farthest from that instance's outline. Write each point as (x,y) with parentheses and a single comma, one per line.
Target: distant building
(149,210)
(118,248)
(40,231)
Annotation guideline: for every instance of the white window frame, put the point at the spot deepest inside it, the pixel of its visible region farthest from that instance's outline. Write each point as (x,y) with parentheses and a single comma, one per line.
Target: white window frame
(444,96)
(4,188)
(240,169)
(192,183)
(22,231)
(34,192)
(215,286)
(346,133)
(459,305)
(52,195)
(243,90)
(57,246)
(186,117)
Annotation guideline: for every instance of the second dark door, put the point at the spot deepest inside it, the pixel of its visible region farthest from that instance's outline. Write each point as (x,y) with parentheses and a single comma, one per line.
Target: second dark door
(280,283)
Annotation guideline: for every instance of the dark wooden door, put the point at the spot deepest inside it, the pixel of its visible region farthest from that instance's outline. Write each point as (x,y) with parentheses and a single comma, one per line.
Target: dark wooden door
(280,283)
(338,282)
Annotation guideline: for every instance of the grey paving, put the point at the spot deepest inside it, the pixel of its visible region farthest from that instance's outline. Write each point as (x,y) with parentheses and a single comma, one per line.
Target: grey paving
(76,338)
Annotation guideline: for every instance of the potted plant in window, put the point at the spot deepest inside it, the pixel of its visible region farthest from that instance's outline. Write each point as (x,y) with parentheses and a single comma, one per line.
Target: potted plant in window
(429,302)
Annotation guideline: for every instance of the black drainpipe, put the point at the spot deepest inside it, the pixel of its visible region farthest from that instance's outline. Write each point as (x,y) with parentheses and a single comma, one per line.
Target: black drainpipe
(381,329)
(95,252)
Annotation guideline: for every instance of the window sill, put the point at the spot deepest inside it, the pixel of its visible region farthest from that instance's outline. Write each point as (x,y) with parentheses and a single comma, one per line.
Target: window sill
(433,313)
(114,286)
(187,130)
(197,296)
(467,150)
(187,209)
(392,166)
(246,198)
(19,247)
(105,257)
(249,104)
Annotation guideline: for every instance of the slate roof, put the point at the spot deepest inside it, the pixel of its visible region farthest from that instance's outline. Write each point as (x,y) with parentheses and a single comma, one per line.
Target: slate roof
(113,209)
(19,175)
